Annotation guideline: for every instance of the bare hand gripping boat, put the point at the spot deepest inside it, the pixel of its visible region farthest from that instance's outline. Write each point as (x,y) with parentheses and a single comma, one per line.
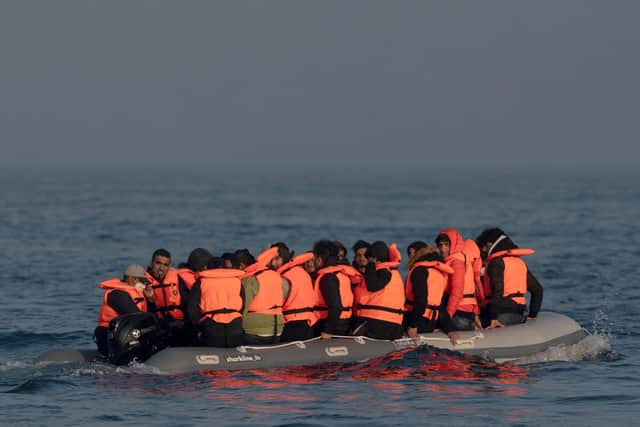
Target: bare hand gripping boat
(500,345)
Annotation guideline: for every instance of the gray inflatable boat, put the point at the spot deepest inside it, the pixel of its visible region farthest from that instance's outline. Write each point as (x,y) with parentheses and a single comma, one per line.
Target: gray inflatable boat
(500,345)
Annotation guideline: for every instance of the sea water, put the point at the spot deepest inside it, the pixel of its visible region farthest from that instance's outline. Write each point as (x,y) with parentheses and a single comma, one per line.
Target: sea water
(64,230)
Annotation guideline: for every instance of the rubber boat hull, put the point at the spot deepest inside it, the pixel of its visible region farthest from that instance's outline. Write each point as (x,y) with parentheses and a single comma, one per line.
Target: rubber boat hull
(500,345)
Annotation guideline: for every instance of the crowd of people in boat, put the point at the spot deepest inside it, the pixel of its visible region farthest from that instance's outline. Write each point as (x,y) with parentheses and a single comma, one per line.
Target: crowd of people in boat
(238,299)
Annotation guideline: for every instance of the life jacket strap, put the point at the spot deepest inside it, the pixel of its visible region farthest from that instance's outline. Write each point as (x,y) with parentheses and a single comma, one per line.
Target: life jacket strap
(298,310)
(381,308)
(222,311)
(320,308)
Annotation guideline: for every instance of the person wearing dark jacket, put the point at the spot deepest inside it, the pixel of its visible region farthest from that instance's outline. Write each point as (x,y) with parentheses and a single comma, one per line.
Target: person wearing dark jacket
(215,305)
(132,294)
(334,297)
(507,279)
(425,283)
(379,299)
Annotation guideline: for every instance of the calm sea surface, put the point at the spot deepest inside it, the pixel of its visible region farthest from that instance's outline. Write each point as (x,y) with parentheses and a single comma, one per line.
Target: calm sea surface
(61,232)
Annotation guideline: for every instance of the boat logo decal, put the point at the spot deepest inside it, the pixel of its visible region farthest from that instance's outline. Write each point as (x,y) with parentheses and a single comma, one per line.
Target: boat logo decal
(337,351)
(208,359)
(244,358)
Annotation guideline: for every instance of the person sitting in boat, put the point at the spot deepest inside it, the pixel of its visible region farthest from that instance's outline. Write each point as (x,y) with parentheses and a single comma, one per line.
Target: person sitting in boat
(424,290)
(164,281)
(265,292)
(131,294)
(360,255)
(412,248)
(332,284)
(507,279)
(216,304)
(462,305)
(299,307)
(379,300)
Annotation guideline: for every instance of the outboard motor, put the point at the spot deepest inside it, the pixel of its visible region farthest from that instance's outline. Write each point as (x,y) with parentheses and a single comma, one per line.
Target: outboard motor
(134,337)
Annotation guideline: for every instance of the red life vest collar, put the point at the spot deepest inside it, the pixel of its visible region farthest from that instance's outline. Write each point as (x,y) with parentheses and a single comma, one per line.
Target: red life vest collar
(518,252)
(118,284)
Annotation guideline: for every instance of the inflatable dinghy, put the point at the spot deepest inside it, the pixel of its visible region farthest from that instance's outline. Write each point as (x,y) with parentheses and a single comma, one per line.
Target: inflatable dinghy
(500,345)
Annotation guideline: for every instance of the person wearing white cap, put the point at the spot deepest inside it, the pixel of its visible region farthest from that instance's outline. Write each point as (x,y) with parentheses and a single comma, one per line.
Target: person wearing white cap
(131,294)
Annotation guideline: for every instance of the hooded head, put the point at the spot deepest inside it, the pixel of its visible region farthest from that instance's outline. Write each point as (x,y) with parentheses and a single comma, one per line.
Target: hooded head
(454,238)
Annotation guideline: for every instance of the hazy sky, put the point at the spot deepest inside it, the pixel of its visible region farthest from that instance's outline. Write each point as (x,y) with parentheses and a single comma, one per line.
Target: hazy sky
(352,82)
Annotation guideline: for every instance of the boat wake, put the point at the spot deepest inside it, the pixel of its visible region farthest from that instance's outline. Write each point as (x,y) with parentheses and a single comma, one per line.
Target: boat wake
(596,345)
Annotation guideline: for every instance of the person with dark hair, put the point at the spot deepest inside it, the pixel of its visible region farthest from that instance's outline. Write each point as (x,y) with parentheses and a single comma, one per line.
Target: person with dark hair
(187,274)
(379,300)
(359,255)
(265,291)
(299,307)
(462,305)
(283,257)
(216,305)
(131,294)
(342,252)
(413,247)
(230,260)
(507,279)
(166,290)
(424,290)
(245,259)
(334,298)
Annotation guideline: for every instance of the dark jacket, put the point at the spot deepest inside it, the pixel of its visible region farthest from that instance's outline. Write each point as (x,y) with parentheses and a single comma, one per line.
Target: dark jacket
(419,278)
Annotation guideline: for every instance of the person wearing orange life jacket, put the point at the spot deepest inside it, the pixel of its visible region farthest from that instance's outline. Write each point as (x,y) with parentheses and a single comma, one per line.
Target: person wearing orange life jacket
(380,299)
(166,290)
(507,279)
(132,294)
(216,304)
(299,307)
(265,292)
(462,305)
(424,290)
(334,297)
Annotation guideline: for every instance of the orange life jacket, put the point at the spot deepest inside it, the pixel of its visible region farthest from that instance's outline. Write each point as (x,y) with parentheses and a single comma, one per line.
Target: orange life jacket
(166,296)
(344,274)
(515,274)
(269,299)
(436,284)
(188,276)
(220,298)
(386,304)
(302,298)
(106,311)
(472,252)
(469,293)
